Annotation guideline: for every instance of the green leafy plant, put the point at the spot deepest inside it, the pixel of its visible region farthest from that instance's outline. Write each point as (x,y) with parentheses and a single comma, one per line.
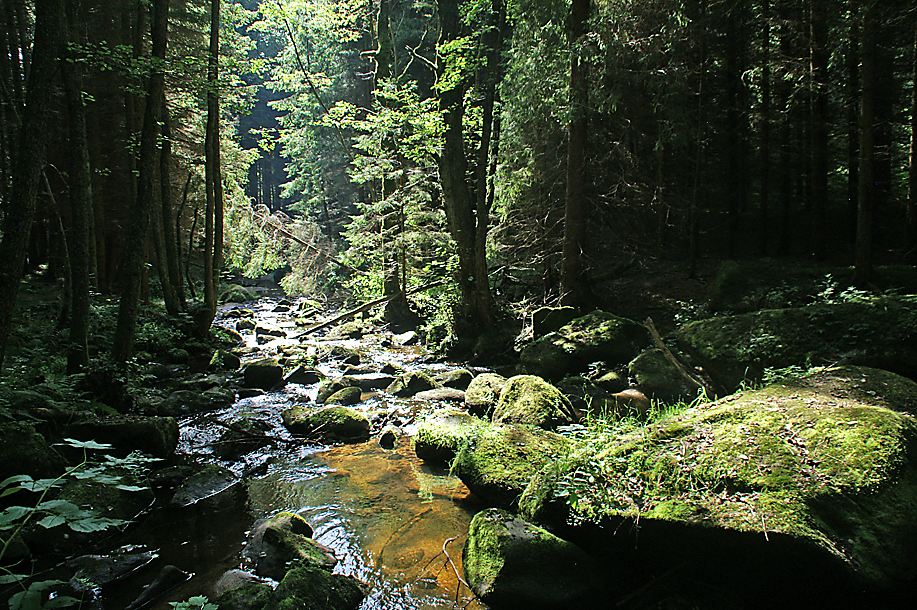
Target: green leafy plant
(198,602)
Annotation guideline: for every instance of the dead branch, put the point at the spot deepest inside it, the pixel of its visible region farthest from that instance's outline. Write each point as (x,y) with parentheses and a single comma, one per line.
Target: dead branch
(648,323)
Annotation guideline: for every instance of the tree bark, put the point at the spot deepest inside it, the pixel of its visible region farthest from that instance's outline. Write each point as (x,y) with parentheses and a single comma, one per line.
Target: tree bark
(818,125)
(764,219)
(122,343)
(29,159)
(574,290)
(911,238)
(169,224)
(80,205)
(213,221)
(866,186)
(852,87)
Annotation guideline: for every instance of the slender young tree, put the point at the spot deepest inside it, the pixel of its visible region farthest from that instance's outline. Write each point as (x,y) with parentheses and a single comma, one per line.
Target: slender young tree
(128,307)
(574,289)
(866,187)
(29,158)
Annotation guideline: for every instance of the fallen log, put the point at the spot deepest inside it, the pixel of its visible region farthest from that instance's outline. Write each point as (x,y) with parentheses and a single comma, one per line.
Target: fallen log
(352,312)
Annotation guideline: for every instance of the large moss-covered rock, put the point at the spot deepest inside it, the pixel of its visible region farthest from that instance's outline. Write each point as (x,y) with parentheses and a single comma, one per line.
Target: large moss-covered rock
(186,402)
(443,433)
(248,596)
(512,564)
(345,396)
(310,588)
(598,336)
(483,393)
(498,461)
(157,436)
(274,543)
(526,399)
(548,319)
(25,451)
(816,476)
(329,387)
(878,332)
(263,374)
(659,379)
(334,423)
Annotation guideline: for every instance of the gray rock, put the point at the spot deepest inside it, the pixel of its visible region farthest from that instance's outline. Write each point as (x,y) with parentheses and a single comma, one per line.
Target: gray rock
(483,392)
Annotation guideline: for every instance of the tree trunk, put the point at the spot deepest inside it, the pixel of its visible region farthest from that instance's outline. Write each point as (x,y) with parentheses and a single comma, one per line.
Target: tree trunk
(122,343)
(852,87)
(866,187)
(818,126)
(29,160)
(80,205)
(735,142)
(477,314)
(169,224)
(574,289)
(699,142)
(764,219)
(213,229)
(911,239)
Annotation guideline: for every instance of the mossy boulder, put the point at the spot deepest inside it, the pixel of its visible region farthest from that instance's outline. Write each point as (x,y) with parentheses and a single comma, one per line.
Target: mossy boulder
(498,461)
(186,402)
(274,543)
(549,319)
(483,393)
(526,399)
(598,336)
(659,379)
(329,387)
(223,360)
(263,374)
(313,588)
(248,596)
(408,384)
(345,396)
(443,433)
(880,332)
(816,476)
(348,330)
(458,379)
(25,451)
(342,354)
(333,423)
(157,436)
(512,564)
(233,293)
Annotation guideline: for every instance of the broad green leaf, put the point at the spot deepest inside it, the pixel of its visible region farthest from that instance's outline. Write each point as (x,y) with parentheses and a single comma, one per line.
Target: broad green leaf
(6,579)
(19,478)
(14,513)
(62,601)
(85,444)
(52,521)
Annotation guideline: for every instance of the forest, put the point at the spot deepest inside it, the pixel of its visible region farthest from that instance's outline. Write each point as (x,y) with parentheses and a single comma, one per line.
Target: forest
(204,203)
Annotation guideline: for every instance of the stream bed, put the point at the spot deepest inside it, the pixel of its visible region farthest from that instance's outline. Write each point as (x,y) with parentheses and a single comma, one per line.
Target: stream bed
(394,522)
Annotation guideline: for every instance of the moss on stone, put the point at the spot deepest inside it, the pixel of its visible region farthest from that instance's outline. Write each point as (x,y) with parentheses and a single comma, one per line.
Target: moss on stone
(443,433)
(526,399)
(316,589)
(483,392)
(250,596)
(330,386)
(345,396)
(332,423)
(829,467)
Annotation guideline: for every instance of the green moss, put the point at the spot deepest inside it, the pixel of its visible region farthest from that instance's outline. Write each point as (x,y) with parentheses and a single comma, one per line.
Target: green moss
(526,399)
(316,589)
(442,434)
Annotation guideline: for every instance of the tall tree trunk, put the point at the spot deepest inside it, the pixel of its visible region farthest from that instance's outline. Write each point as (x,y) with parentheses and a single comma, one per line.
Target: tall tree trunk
(213,229)
(29,159)
(122,343)
(735,140)
(764,219)
(477,315)
(168,214)
(699,142)
(852,88)
(386,47)
(80,204)
(818,124)
(574,290)
(911,239)
(866,187)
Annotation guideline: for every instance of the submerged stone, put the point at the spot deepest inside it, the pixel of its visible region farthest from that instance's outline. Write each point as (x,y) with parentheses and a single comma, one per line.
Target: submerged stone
(813,478)
(512,564)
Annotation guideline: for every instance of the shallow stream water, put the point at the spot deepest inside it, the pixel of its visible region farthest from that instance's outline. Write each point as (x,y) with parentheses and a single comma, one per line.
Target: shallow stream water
(395,523)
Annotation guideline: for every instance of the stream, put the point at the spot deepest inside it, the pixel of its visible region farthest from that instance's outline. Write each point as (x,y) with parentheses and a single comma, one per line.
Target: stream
(394,522)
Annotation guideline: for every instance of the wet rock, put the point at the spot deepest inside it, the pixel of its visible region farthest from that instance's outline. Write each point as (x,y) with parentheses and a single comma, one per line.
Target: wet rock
(91,571)
(245,325)
(406,338)
(241,437)
(232,293)
(202,485)
(442,395)
(167,579)
(317,589)
(250,392)
(458,379)
(264,374)
(267,331)
(335,423)
(483,393)
(549,319)
(275,542)
(233,579)
(304,376)
(526,399)
(345,396)
(330,387)
(443,433)
(512,564)
(372,381)
(359,369)
(500,460)
(224,361)
(880,333)
(812,481)
(409,384)
(348,330)
(185,402)
(344,355)
(388,436)
(598,336)
(390,369)
(178,355)
(156,436)
(611,381)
